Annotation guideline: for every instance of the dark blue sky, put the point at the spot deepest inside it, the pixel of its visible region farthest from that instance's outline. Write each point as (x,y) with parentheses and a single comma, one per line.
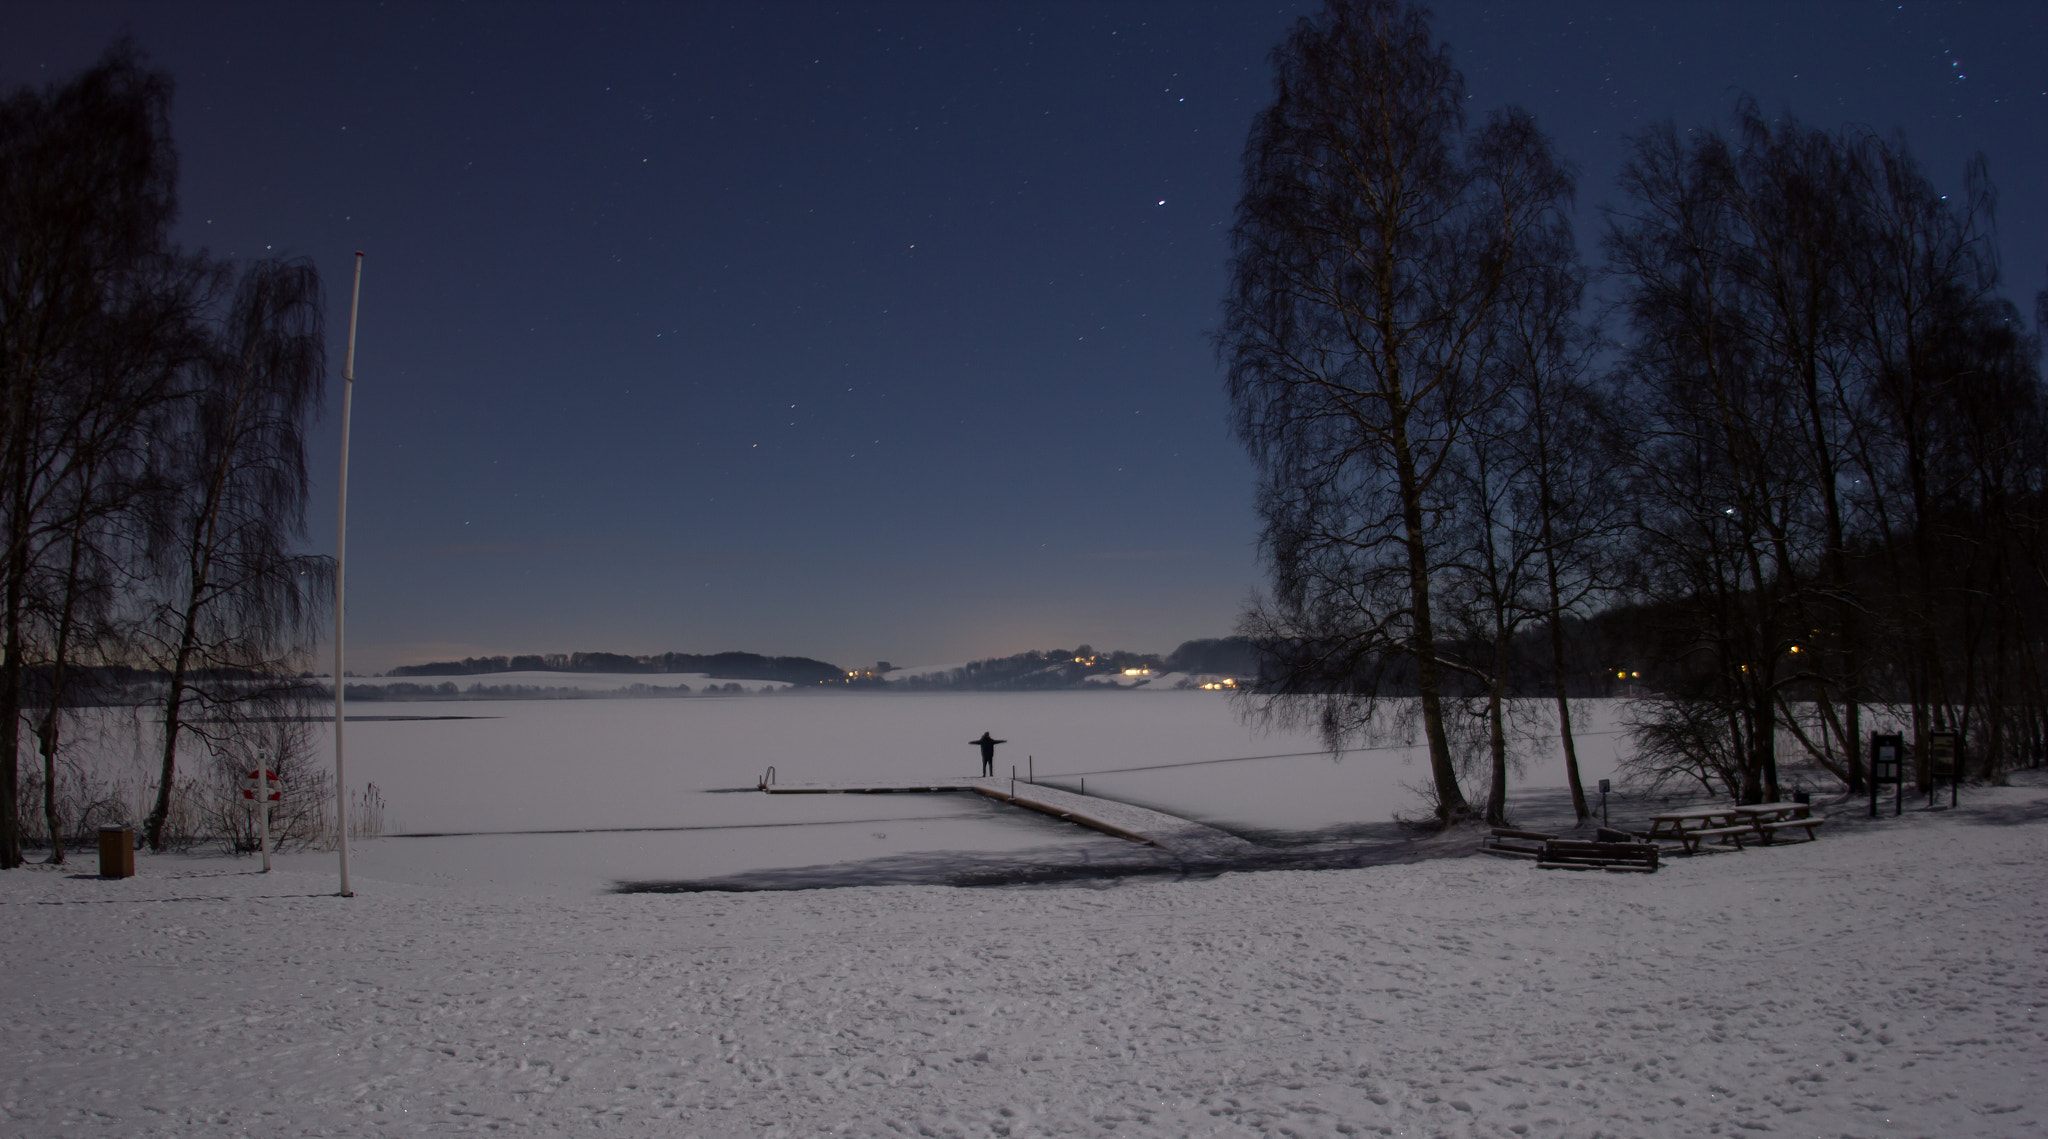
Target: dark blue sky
(867,332)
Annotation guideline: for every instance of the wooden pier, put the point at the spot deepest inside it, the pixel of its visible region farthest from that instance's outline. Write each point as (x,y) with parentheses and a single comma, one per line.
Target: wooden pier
(872,787)
(1184,838)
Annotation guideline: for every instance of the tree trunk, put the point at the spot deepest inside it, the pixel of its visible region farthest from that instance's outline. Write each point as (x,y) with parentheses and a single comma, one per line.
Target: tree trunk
(1451,807)
(1764,738)
(1497,736)
(199,563)
(1926,658)
(10,644)
(46,739)
(1852,719)
(60,678)
(1557,676)
(174,699)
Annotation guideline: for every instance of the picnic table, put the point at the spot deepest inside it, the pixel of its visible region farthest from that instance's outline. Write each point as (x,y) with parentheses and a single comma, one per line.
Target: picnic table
(1784,810)
(1690,820)
(1770,818)
(1692,826)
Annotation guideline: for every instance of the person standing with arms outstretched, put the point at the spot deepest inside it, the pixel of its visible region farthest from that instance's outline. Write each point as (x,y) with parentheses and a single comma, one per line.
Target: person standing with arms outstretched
(987,744)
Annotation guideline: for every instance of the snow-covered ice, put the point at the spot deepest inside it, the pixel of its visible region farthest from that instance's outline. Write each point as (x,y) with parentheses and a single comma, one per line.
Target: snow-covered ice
(523,765)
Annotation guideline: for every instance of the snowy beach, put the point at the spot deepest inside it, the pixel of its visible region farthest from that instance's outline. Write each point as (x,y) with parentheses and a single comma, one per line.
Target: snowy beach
(1886,980)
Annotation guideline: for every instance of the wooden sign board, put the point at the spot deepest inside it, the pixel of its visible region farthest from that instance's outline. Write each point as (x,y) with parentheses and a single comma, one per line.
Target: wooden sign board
(1942,751)
(1887,765)
(1944,761)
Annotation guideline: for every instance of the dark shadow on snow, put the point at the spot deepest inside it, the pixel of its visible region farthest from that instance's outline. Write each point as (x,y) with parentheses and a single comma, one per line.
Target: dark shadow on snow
(2006,814)
(1340,847)
(1057,866)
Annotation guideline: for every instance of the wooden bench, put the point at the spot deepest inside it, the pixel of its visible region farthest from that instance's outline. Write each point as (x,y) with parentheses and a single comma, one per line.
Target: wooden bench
(1572,854)
(1506,842)
(1770,830)
(1692,838)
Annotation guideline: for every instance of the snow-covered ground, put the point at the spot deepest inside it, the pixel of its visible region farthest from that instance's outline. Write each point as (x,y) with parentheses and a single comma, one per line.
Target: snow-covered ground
(1886,980)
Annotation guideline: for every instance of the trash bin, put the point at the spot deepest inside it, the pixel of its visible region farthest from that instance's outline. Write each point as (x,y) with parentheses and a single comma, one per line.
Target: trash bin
(1802,796)
(117,852)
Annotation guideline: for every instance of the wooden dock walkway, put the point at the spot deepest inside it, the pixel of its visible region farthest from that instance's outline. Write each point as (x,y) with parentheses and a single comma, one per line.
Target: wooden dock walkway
(873,786)
(1183,838)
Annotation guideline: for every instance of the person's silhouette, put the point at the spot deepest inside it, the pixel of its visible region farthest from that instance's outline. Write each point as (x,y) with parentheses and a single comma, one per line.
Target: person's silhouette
(987,744)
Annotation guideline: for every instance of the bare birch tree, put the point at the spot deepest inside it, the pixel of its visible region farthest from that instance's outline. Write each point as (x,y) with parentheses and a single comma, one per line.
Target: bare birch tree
(1725,526)
(1839,475)
(239,606)
(1539,502)
(1373,244)
(91,301)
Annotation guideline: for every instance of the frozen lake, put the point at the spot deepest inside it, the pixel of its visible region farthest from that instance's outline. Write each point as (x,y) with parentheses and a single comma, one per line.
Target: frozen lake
(687,766)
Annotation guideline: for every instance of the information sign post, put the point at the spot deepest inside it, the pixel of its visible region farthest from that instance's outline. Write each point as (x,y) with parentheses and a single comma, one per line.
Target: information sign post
(1887,765)
(254,787)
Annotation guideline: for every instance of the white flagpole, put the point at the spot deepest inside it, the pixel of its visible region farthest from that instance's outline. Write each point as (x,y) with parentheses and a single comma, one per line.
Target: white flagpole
(348,391)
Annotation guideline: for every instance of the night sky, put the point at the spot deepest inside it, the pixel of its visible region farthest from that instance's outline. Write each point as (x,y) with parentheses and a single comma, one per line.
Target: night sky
(867,332)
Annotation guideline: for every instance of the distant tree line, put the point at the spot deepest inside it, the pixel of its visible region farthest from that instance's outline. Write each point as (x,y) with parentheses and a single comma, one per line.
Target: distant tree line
(1236,657)
(153,410)
(1791,470)
(447,690)
(728,666)
(1039,670)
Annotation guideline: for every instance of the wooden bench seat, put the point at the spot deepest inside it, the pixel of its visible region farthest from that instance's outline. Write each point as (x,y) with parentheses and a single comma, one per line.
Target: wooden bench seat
(1505,842)
(1770,830)
(1692,839)
(1571,854)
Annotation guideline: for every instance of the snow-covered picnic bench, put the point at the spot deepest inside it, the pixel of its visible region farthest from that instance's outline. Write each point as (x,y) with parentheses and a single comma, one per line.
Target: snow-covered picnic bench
(1731,824)
(1771,818)
(1578,854)
(1507,842)
(1614,850)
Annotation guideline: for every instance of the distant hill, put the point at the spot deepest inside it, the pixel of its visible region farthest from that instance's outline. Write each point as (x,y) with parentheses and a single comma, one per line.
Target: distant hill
(1057,668)
(726,666)
(1071,668)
